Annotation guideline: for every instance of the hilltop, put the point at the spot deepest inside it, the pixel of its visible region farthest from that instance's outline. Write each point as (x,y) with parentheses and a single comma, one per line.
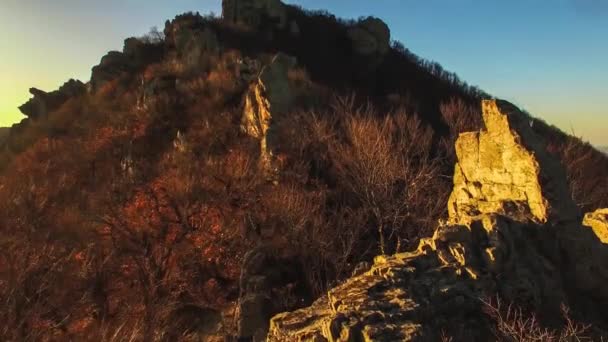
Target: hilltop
(225,170)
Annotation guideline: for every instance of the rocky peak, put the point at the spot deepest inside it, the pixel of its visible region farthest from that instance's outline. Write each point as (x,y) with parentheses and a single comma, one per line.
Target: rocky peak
(44,102)
(254,13)
(370,37)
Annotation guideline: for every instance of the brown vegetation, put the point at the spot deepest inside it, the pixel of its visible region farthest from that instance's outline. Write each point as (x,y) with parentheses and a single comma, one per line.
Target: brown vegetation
(120,222)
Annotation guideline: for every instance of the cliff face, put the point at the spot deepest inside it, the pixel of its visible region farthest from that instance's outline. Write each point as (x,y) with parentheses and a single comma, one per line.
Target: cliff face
(513,232)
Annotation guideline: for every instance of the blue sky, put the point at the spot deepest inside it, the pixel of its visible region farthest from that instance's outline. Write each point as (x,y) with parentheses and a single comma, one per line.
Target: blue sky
(550,56)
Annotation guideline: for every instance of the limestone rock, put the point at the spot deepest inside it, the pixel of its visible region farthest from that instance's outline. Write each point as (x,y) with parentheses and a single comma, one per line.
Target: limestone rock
(414,296)
(598,221)
(268,96)
(505,169)
(43,103)
(370,37)
(255,13)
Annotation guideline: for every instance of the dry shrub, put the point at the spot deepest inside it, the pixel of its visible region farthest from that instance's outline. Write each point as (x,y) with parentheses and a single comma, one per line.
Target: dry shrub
(385,164)
(515,324)
(585,168)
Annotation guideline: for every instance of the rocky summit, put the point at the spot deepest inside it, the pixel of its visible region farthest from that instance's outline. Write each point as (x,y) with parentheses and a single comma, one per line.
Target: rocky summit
(501,239)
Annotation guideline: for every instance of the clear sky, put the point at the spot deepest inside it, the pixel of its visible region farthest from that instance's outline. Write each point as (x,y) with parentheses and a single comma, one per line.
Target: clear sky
(547,56)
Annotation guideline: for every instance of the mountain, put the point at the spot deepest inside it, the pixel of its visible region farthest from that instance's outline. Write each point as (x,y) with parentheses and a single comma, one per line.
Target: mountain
(603,149)
(216,174)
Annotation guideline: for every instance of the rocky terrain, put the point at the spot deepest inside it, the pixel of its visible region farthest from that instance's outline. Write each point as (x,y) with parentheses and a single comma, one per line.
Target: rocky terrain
(279,174)
(512,231)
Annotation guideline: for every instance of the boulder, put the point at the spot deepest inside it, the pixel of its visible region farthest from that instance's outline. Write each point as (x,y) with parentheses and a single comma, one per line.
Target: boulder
(598,222)
(512,233)
(268,96)
(43,103)
(255,13)
(370,37)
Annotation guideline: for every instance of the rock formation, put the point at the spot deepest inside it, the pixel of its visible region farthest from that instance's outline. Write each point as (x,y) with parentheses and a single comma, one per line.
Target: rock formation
(268,96)
(141,52)
(505,169)
(512,233)
(254,13)
(190,40)
(598,221)
(113,65)
(370,39)
(43,103)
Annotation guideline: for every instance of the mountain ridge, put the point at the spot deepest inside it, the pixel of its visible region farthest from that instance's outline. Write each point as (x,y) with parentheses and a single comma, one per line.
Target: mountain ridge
(226,163)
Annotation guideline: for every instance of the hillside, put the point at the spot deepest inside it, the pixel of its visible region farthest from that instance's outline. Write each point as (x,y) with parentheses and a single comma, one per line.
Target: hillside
(3,133)
(225,170)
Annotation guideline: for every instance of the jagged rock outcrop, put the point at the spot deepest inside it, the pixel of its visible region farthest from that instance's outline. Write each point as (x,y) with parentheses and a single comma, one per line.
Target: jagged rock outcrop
(598,222)
(512,233)
(505,169)
(254,13)
(370,39)
(267,97)
(43,103)
(140,52)
(190,39)
(113,65)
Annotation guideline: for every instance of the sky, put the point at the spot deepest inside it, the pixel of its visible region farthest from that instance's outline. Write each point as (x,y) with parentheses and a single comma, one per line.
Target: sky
(549,57)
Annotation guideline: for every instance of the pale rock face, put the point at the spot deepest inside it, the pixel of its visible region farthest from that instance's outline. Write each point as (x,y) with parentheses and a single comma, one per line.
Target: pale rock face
(254,12)
(268,96)
(498,173)
(598,222)
(512,232)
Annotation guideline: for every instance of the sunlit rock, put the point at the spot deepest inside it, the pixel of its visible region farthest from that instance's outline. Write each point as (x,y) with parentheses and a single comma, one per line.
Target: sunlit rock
(268,96)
